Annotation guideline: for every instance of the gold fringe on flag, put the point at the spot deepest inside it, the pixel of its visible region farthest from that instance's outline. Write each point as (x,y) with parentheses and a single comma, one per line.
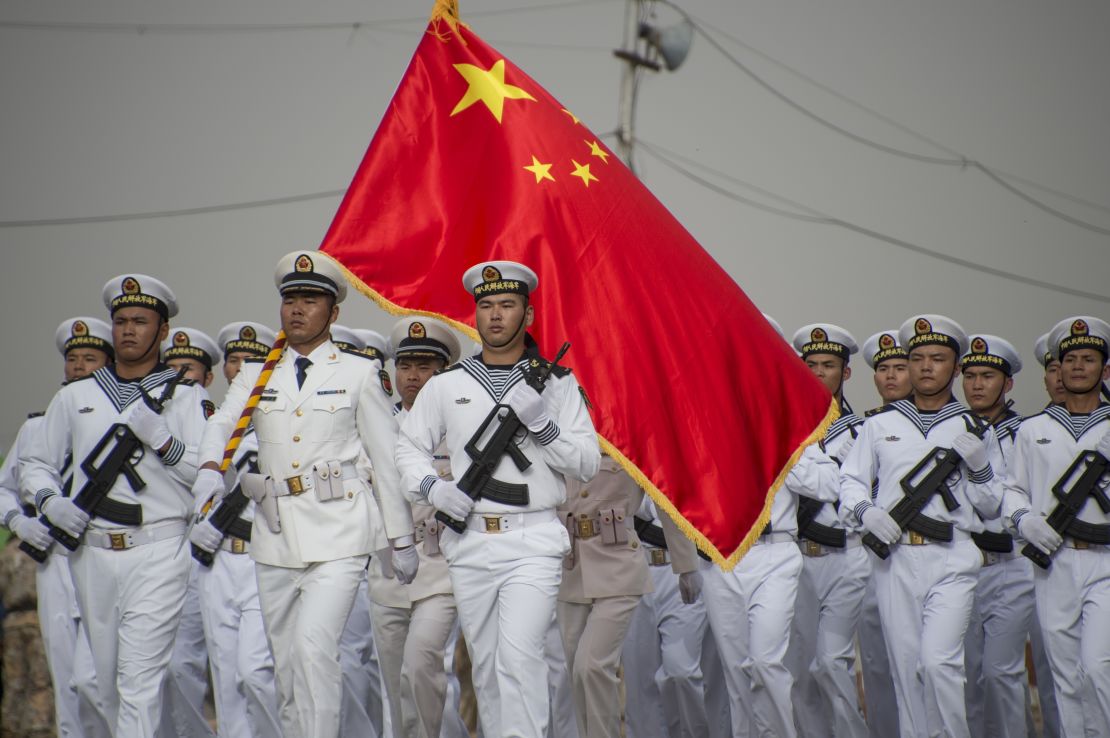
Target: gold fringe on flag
(448,12)
(727,563)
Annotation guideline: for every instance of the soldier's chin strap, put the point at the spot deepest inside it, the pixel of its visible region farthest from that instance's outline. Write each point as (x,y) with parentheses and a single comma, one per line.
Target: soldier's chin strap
(516,333)
(947,387)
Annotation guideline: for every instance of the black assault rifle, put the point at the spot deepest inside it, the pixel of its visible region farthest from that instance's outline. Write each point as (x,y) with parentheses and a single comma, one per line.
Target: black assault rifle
(226,517)
(907,511)
(122,457)
(478,481)
(1092,468)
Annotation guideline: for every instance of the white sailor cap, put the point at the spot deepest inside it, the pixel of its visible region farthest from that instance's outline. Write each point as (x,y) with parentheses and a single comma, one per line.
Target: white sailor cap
(139,290)
(1040,348)
(774,324)
(993,352)
(1078,332)
(824,338)
(373,344)
(346,338)
(423,338)
(883,346)
(83,332)
(933,330)
(499,277)
(310,271)
(252,338)
(189,343)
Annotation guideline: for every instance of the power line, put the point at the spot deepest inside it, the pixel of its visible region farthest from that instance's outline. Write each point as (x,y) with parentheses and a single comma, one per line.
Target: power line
(171,213)
(811,215)
(142,28)
(956,160)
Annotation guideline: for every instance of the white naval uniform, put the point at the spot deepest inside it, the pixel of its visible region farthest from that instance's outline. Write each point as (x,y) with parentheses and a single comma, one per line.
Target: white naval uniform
(925,592)
(1073,596)
(413,624)
(750,608)
(187,677)
(309,572)
(505,583)
(242,667)
(830,599)
(130,599)
(76,702)
(662,656)
(1001,620)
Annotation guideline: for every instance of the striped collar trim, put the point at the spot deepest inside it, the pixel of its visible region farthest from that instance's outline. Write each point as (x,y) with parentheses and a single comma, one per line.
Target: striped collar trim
(1060,414)
(481,374)
(122,394)
(843,423)
(925,423)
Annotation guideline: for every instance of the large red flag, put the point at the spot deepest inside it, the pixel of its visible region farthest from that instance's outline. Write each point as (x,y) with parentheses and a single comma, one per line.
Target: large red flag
(693,392)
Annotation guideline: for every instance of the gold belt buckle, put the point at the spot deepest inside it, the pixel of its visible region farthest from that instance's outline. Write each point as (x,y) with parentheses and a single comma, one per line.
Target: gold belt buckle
(238,545)
(118,541)
(1080,545)
(813,549)
(493,523)
(295,485)
(658,557)
(584,528)
(916,539)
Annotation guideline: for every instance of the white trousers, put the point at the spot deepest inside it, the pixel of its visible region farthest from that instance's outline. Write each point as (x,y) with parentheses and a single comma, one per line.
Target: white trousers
(412,644)
(187,678)
(130,605)
(662,657)
(1073,606)
(361,711)
(305,611)
(242,667)
(1046,689)
(561,720)
(880,703)
(505,586)
(925,598)
(830,600)
(750,612)
(77,705)
(994,649)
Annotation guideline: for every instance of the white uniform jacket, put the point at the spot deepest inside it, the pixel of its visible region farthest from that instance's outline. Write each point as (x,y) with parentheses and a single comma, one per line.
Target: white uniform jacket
(893,441)
(1044,447)
(341,411)
(83,411)
(454,403)
(845,429)
(813,476)
(11,495)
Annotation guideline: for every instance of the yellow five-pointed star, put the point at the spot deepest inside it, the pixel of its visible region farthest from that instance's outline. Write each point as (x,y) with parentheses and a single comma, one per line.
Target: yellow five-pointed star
(582,171)
(542,171)
(489,87)
(573,117)
(597,151)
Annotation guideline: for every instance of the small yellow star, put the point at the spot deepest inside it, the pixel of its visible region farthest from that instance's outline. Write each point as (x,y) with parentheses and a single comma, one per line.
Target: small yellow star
(489,87)
(582,171)
(573,117)
(597,151)
(542,171)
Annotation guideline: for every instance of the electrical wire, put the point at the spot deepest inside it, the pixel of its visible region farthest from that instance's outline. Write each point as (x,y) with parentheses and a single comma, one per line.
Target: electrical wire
(810,215)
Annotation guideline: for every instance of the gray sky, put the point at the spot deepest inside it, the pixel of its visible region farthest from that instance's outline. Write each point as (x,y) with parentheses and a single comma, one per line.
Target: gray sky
(108,121)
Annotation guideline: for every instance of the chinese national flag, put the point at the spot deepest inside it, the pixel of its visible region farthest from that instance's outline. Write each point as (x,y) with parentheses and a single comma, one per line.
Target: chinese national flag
(693,392)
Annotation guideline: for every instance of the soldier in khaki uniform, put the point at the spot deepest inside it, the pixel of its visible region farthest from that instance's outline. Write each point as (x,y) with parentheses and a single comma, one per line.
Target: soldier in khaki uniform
(604,577)
(413,623)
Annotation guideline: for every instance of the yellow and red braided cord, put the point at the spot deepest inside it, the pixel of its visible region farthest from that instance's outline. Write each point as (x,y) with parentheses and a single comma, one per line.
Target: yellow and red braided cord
(252,401)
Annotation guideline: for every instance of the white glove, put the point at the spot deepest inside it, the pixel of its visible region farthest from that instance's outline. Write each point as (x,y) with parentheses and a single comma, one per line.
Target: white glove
(448,498)
(62,512)
(973,450)
(689,586)
(148,425)
(528,406)
(32,531)
(405,563)
(204,535)
(1035,529)
(1103,446)
(209,485)
(879,522)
